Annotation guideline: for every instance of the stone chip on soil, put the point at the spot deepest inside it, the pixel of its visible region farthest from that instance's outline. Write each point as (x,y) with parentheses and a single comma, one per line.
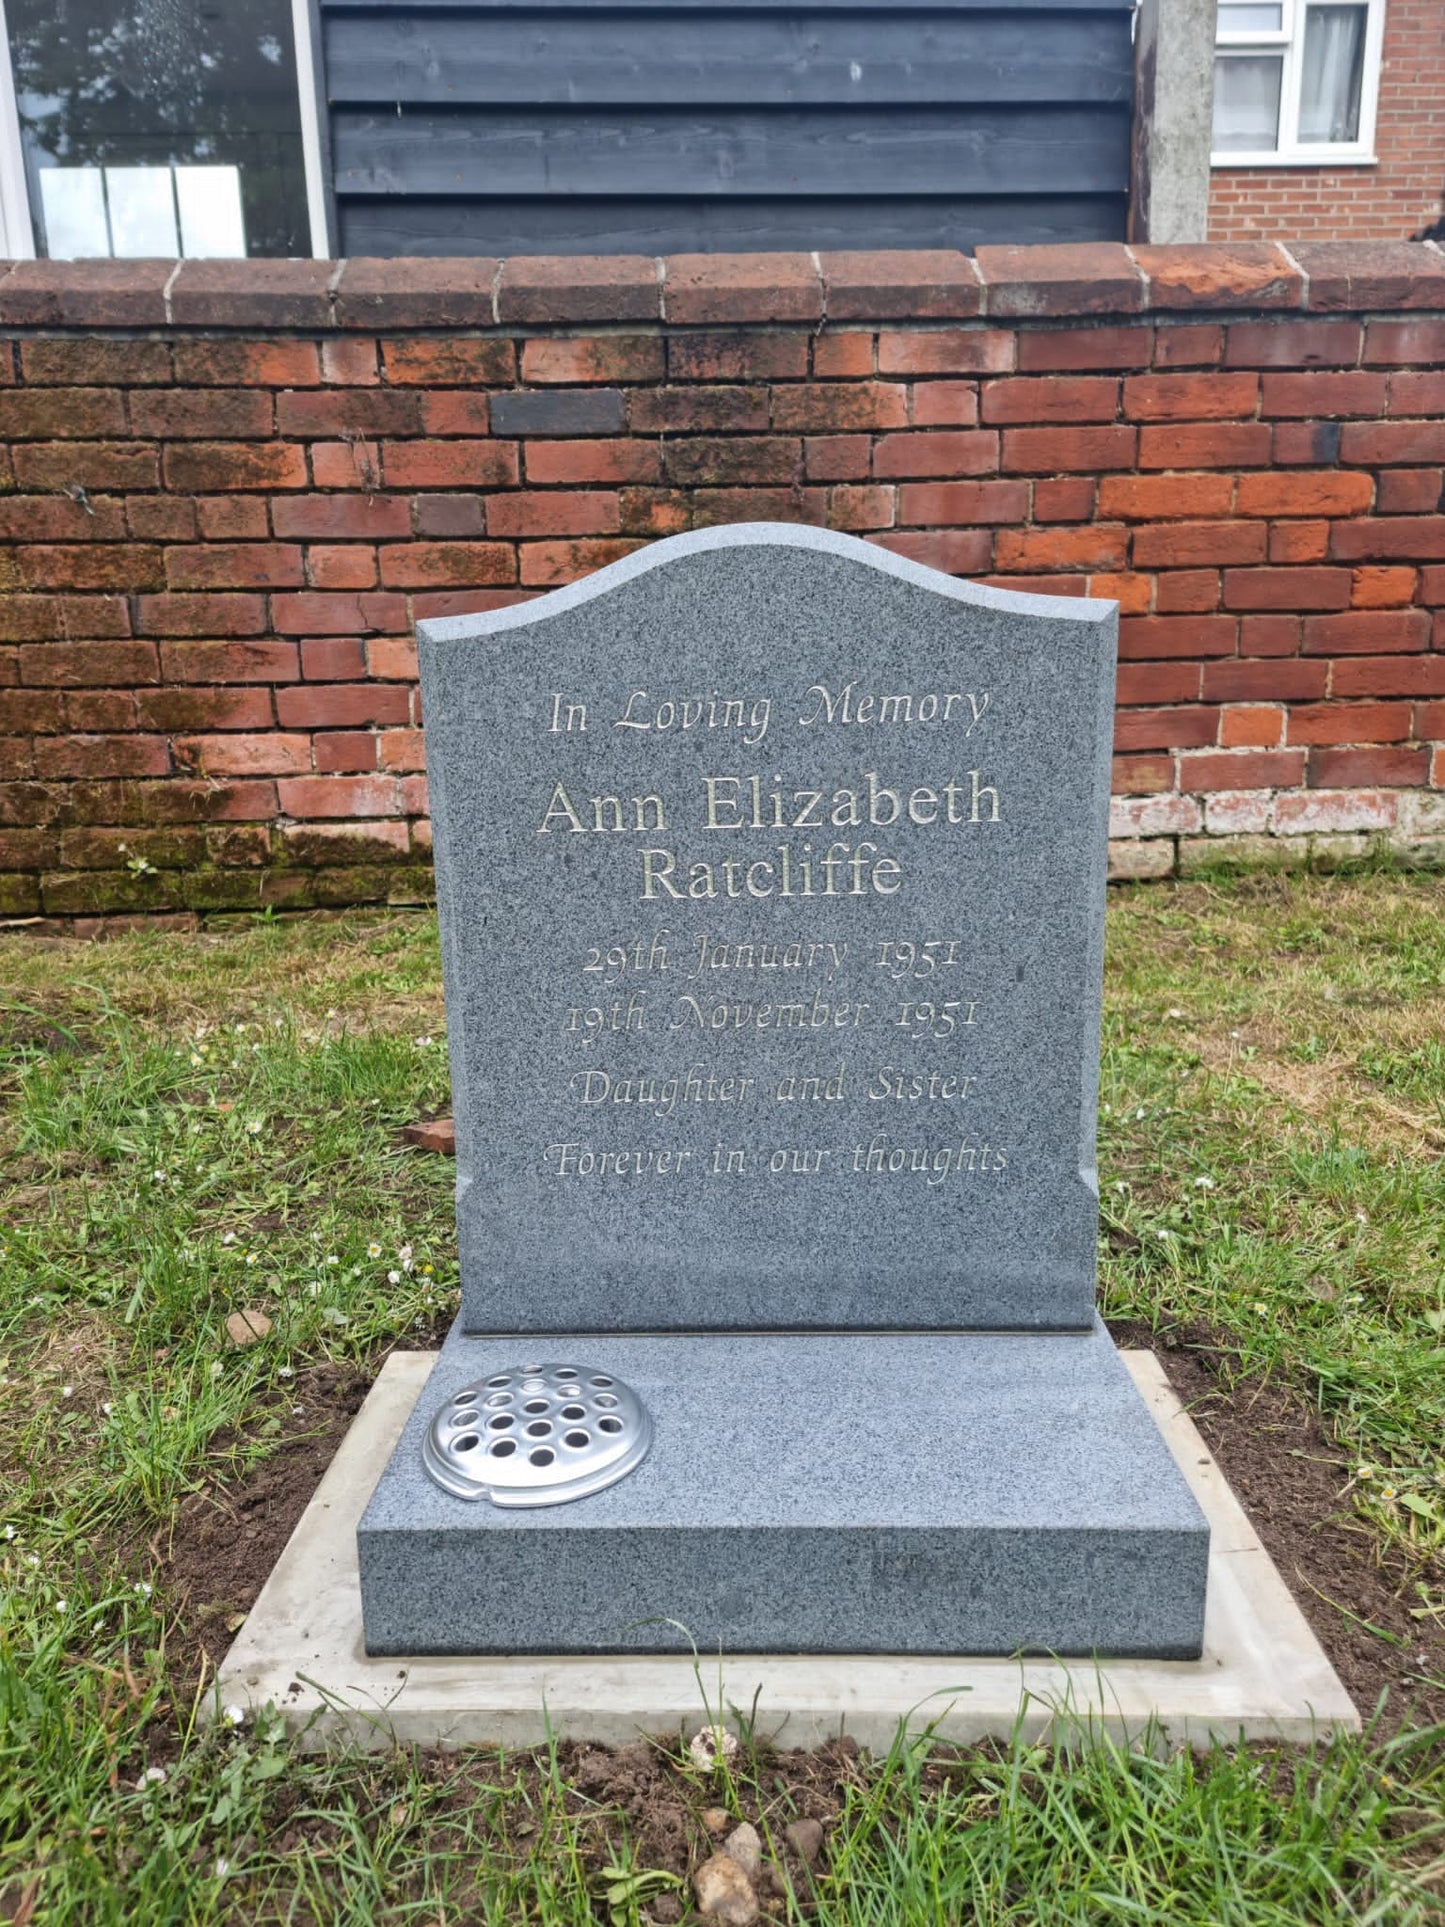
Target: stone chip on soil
(744,1846)
(245,1327)
(805,1837)
(724,1892)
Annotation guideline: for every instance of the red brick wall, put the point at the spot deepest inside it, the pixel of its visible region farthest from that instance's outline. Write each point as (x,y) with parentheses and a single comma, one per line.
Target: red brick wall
(1399,197)
(232,488)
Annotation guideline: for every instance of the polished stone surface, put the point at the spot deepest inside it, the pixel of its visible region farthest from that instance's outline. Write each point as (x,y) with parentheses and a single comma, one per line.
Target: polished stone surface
(773,992)
(901,1493)
(1261,1676)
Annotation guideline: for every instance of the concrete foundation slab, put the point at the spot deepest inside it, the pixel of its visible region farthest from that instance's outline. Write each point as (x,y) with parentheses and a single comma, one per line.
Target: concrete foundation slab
(1262,1674)
(840,1492)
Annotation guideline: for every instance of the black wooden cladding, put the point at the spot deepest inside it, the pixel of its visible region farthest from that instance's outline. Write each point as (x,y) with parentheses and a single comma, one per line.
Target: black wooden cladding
(483,126)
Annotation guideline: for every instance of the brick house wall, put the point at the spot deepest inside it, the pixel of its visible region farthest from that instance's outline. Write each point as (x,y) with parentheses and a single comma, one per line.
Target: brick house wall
(1401,195)
(228,490)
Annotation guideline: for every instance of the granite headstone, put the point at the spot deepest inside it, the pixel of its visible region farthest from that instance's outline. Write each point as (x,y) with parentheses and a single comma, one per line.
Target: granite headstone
(771,879)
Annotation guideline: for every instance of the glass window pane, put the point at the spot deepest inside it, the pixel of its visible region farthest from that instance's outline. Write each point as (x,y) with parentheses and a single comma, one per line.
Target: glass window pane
(1246,103)
(210,204)
(165,83)
(1334,63)
(142,211)
(72,211)
(1247,16)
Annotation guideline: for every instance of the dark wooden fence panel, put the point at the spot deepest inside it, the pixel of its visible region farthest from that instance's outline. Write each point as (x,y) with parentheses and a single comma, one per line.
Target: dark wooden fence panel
(488,126)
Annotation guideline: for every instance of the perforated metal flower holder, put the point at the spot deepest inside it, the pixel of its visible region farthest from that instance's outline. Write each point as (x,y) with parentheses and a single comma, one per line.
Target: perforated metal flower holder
(537,1435)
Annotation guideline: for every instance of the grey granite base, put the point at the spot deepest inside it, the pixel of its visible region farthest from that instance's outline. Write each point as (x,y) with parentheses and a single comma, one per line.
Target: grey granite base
(854,1493)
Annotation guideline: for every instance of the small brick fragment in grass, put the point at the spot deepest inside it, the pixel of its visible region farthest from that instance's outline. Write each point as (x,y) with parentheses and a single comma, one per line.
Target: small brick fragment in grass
(437,1134)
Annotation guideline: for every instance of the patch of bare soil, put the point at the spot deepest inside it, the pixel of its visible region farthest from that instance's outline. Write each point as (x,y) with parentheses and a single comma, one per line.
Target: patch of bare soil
(1290,1476)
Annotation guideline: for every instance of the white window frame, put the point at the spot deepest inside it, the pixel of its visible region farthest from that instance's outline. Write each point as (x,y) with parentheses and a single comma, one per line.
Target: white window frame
(17,228)
(1288,40)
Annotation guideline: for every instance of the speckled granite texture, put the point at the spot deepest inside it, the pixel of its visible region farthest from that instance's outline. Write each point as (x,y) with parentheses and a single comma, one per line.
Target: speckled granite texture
(922,1493)
(773,992)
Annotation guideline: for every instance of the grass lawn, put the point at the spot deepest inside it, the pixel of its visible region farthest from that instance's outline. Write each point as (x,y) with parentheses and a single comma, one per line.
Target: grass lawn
(196,1125)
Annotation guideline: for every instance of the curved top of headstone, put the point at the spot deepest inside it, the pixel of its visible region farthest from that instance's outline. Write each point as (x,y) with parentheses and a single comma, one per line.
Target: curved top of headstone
(762,535)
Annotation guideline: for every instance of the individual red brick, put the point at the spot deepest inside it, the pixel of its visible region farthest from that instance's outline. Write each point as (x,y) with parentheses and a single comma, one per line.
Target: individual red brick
(333,658)
(955,504)
(88,465)
(954,551)
(848,356)
(1190,398)
(555,512)
(655,511)
(818,409)
(1408,491)
(1055,585)
(1404,538)
(392,658)
(335,518)
(743,461)
(202,414)
(97,711)
(1058,398)
(1035,551)
(447,515)
(1306,444)
(1292,344)
(271,754)
(937,451)
(929,284)
(423,565)
(1270,635)
(698,408)
(1180,344)
(1330,492)
(1162,638)
(94,362)
(945,351)
(85,294)
(547,563)
(1187,592)
(172,614)
(349,362)
(1136,729)
(1299,541)
(1162,498)
(331,797)
(77,665)
(343,751)
(455,412)
(1207,445)
(714,506)
(861,508)
(579,287)
(1397,442)
(1042,351)
(1133,593)
(1432,587)
(323,412)
(232,518)
(1066,498)
(310,612)
(601,461)
(220,363)
(945,404)
(1252,726)
(258,292)
(1392,768)
(242,565)
(1292,589)
(186,800)
(75,755)
(193,468)
(454,361)
(69,414)
(1181,545)
(1317,723)
(1144,683)
(1047,451)
(1351,391)
(837,458)
(1242,769)
(1390,344)
(463,602)
(1063,279)
(1429,721)
(593,358)
(1236,274)
(343,565)
(1382,588)
(701,288)
(1367,632)
(31,712)
(402,749)
(87,565)
(36,618)
(1372,274)
(1389,676)
(160,518)
(61,518)
(330,705)
(1143,775)
(1251,682)
(738,355)
(204,709)
(448,465)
